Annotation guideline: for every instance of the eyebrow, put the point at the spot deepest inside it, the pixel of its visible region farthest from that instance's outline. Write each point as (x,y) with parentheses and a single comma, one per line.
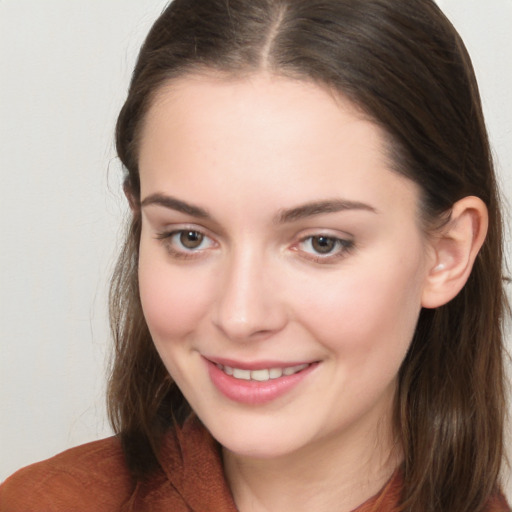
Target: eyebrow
(320,208)
(284,216)
(175,204)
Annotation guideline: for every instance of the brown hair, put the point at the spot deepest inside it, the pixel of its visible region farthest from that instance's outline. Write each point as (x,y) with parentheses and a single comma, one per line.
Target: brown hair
(405,66)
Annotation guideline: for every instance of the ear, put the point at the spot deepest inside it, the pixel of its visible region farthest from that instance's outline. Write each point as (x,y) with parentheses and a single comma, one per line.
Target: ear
(454,250)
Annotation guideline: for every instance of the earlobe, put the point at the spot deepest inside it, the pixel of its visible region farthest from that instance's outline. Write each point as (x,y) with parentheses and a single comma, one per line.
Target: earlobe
(455,248)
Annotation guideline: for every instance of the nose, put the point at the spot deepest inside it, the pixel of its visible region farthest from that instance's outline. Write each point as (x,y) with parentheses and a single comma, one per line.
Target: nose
(248,305)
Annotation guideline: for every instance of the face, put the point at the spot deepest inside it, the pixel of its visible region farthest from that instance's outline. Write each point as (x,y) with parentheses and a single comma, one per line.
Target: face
(281,261)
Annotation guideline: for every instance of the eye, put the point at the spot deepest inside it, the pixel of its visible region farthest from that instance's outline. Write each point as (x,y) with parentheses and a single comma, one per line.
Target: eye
(189,239)
(185,242)
(323,244)
(325,247)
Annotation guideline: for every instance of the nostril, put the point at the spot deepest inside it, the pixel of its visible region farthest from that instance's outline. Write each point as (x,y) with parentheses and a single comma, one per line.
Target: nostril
(241,330)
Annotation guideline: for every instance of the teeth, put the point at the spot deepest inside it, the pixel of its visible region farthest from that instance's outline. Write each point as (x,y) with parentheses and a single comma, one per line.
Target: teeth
(275,373)
(262,375)
(241,374)
(294,369)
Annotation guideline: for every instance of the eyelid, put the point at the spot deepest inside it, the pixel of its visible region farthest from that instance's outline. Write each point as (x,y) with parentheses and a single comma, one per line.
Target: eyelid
(166,237)
(345,245)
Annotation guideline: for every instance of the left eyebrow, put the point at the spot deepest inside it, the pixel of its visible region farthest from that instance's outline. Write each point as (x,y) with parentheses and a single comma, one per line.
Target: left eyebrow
(176,204)
(319,208)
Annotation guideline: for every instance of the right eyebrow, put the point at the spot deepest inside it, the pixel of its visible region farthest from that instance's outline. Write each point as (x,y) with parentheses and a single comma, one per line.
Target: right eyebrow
(175,204)
(320,208)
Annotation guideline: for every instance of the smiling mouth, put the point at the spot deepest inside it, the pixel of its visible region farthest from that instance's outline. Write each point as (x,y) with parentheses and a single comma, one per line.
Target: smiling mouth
(262,375)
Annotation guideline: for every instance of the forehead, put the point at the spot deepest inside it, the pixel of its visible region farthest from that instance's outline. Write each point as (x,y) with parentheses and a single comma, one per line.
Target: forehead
(257,102)
(263,133)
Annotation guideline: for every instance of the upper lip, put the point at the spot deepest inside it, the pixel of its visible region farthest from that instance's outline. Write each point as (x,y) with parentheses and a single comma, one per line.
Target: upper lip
(255,365)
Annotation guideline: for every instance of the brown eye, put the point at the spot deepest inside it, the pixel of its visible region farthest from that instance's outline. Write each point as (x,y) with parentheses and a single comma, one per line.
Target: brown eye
(323,244)
(324,248)
(191,239)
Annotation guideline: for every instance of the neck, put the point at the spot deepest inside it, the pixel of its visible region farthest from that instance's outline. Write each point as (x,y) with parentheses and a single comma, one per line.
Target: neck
(329,475)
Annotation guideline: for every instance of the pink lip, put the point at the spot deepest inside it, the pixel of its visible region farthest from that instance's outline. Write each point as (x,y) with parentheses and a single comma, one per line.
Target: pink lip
(256,365)
(253,392)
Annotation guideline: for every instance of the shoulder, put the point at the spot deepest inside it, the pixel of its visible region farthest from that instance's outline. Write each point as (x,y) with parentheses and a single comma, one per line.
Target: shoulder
(93,475)
(498,503)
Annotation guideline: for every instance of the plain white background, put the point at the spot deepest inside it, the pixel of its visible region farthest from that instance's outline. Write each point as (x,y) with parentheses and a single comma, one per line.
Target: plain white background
(64,68)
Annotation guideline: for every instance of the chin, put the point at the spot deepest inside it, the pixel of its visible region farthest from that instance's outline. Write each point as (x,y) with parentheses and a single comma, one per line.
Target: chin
(258,437)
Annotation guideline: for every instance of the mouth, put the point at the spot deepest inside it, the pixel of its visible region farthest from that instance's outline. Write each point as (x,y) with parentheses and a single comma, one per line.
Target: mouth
(258,382)
(263,374)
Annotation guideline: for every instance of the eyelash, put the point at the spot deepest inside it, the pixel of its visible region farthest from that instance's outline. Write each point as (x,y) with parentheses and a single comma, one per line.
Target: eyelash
(341,247)
(182,253)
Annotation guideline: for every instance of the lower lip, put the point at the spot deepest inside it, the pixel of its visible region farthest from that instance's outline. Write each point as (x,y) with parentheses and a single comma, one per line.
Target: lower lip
(253,392)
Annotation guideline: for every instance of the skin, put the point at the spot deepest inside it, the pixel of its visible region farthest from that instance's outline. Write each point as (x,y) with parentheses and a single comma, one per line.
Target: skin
(255,288)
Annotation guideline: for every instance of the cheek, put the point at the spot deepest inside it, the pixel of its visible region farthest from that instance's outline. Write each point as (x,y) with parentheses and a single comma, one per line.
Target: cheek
(173,300)
(366,313)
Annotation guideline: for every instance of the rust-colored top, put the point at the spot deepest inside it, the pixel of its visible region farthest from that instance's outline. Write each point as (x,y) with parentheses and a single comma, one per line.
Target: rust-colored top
(94,477)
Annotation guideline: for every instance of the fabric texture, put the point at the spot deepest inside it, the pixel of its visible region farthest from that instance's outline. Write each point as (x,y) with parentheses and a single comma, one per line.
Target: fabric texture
(94,477)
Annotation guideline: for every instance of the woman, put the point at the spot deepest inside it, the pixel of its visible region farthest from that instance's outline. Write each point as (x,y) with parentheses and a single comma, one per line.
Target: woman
(308,307)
